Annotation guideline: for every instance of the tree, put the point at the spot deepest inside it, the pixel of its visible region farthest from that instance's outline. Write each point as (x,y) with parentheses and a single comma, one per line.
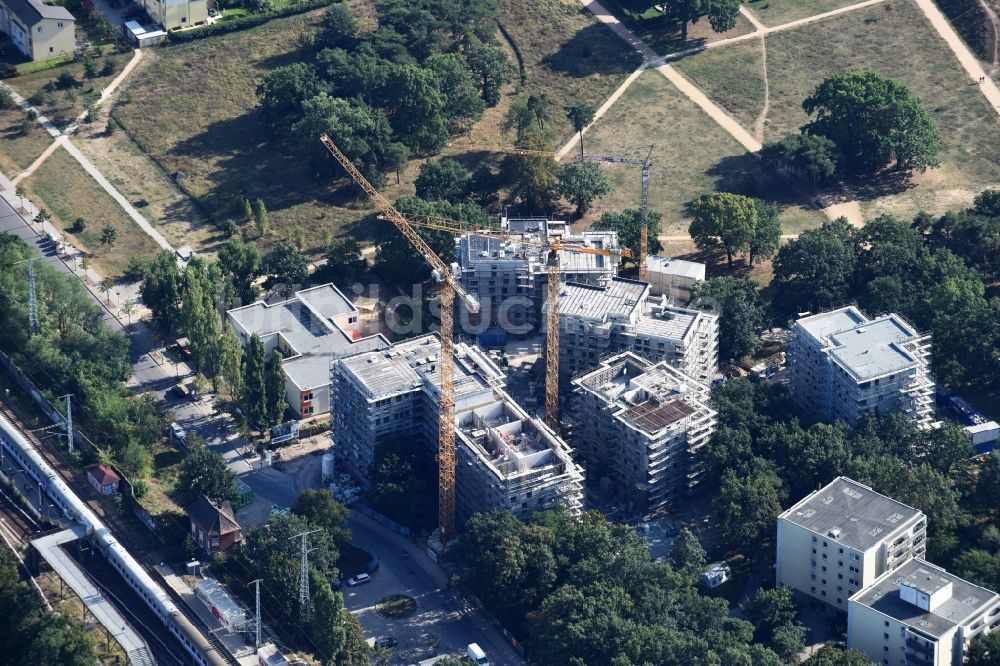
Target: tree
(539,107)
(326,627)
(344,260)
(747,508)
(581,183)
(809,156)
(128,309)
(741,314)
(519,118)
(274,388)
(686,553)
(766,234)
(770,609)
(456,82)
(284,89)
(494,68)
(254,388)
(404,483)
(788,641)
(874,121)
(260,218)
(418,109)
(205,472)
(721,13)
(320,508)
(443,179)
(724,220)
(242,263)
(287,264)
(534,179)
(984,650)
(579,114)
(831,655)
(628,225)
(106,286)
(816,271)
(230,362)
(339,27)
(109,235)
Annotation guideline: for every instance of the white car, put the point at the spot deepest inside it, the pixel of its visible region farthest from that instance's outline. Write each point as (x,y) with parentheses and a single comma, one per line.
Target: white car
(360,579)
(177,432)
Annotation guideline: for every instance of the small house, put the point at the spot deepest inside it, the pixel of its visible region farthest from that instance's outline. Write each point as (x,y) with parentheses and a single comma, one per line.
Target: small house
(213,525)
(104,480)
(38,30)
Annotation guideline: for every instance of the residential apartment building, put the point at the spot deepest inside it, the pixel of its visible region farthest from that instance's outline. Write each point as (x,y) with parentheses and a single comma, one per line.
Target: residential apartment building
(175,14)
(919,615)
(310,329)
(597,321)
(839,539)
(639,427)
(843,365)
(505,458)
(38,30)
(509,275)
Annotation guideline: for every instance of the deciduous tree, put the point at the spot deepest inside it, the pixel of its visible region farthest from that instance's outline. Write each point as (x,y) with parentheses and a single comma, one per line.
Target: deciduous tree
(727,221)
(495,70)
(741,314)
(628,225)
(581,183)
(443,179)
(579,114)
(205,472)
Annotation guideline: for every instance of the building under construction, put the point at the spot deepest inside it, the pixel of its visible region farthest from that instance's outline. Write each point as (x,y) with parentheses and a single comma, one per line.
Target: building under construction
(597,321)
(506,459)
(639,427)
(497,270)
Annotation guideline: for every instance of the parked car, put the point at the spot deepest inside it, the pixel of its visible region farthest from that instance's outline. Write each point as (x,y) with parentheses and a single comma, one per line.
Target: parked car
(181,391)
(360,579)
(386,642)
(177,432)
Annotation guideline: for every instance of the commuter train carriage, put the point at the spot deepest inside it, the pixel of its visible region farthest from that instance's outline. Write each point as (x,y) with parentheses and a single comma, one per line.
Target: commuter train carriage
(72,507)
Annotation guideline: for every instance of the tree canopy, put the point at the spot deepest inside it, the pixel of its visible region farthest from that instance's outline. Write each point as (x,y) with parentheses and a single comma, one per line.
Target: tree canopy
(874,122)
(741,314)
(628,224)
(734,223)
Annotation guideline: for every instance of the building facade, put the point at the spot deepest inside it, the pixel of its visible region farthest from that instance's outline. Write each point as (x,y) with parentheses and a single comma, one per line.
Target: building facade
(175,14)
(639,428)
(597,321)
(505,458)
(673,278)
(213,525)
(839,539)
(843,365)
(38,30)
(509,275)
(310,329)
(919,615)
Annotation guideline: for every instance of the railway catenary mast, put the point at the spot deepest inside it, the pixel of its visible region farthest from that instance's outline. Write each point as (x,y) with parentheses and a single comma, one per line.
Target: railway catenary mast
(449,287)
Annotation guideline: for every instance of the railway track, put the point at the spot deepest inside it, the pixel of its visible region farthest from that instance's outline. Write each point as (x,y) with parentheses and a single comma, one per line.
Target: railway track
(15,518)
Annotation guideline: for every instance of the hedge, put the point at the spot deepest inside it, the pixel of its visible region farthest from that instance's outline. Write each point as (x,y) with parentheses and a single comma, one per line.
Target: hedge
(248,21)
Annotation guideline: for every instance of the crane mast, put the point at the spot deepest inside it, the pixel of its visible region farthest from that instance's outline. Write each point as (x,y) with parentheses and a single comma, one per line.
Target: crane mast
(449,288)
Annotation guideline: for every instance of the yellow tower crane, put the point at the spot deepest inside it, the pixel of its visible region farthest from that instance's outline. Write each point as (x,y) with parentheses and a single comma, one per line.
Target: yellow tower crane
(449,287)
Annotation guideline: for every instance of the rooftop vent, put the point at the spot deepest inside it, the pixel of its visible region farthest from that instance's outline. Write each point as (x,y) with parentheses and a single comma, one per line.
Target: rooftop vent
(834,533)
(851,492)
(827,500)
(894,518)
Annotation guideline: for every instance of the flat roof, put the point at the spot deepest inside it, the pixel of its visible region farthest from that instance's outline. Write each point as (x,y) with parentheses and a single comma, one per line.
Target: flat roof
(667,321)
(966,600)
(862,516)
(873,349)
(620,299)
(825,324)
(678,267)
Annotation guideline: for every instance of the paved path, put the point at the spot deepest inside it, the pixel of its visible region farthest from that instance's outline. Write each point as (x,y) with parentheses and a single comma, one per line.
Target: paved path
(970,63)
(849,209)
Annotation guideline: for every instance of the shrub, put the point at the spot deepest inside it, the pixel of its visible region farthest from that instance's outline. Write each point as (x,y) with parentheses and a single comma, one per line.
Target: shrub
(109,66)
(137,269)
(90,68)
(78,226)
(8,71)
(228,228)
(66,80)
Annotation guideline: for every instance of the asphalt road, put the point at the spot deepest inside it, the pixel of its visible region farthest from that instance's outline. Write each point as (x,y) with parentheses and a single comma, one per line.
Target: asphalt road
(441,617)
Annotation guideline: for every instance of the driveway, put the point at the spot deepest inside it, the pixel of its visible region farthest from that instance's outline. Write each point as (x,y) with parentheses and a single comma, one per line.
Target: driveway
(442,624)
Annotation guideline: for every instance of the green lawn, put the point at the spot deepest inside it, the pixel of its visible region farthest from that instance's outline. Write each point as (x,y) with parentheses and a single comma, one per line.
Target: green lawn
(62,187)
(895,39)
(778,12)
(59,105)
(695,155)
(17,150)
(664,36)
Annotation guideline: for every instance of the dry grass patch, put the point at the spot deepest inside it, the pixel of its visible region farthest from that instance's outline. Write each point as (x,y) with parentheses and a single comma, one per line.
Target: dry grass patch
(778,12)
(62,105)
(17,150)
(732,76)
(696,157)
(67,191)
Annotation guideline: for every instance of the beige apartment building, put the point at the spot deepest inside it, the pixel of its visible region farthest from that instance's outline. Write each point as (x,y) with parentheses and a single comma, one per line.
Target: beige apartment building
(38,30)
(174,14)
(919,615)
(839,539)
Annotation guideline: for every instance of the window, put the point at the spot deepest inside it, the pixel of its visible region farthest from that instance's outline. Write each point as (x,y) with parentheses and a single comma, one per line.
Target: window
(885,636)
(814,539)
(814,551)
(840,550)
(39,28)
(59,25)
(824,556)
(813,589)
(823,581)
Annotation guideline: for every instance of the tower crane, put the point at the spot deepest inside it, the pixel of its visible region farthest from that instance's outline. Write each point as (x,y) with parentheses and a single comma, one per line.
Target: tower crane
(554,246)
(611,159)
(449,288)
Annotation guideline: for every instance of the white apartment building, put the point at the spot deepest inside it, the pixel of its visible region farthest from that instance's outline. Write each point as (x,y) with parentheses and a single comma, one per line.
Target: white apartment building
(509,275)
(919,615)
(839,539)
(310,329)
(505,458)
(596,321)
(639,428)
(843,364)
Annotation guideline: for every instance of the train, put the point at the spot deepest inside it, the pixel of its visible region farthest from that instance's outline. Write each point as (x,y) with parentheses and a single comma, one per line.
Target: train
(73,508)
